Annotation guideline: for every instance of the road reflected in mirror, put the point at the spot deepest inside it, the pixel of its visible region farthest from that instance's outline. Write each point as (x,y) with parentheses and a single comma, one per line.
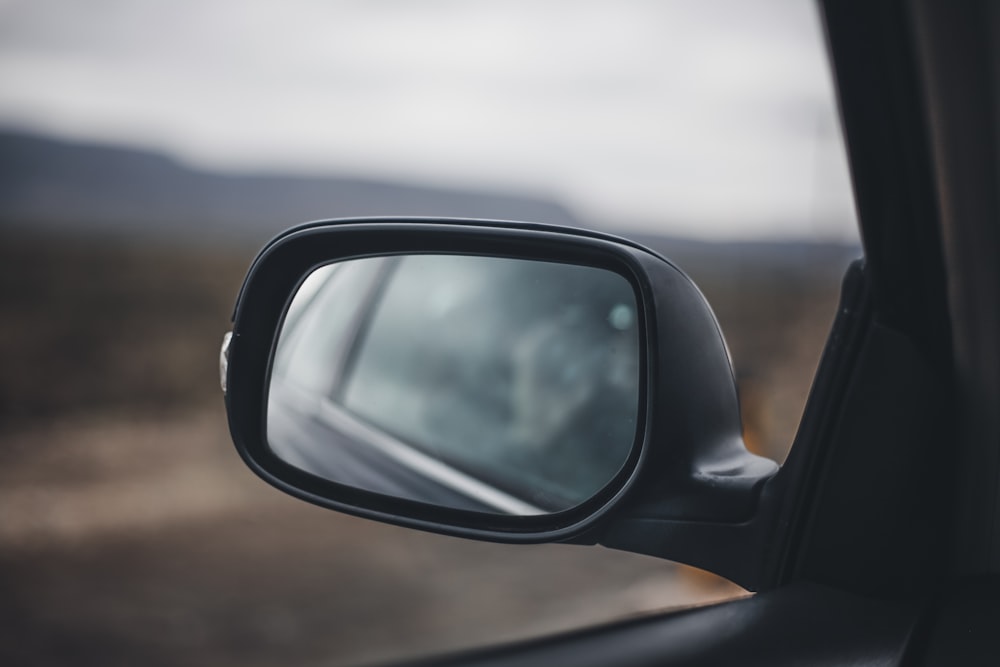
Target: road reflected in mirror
(489,384)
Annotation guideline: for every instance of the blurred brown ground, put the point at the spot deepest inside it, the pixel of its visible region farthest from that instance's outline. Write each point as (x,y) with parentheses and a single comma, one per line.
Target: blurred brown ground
(130,532)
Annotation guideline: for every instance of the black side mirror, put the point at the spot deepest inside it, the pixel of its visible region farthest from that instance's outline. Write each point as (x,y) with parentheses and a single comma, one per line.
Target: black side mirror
(502,381)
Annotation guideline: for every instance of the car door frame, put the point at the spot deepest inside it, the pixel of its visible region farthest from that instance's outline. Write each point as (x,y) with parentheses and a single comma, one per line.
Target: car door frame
(890,502)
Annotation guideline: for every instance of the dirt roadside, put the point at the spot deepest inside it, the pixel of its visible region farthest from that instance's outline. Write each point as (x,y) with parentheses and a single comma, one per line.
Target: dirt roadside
(146,541)
(135,535)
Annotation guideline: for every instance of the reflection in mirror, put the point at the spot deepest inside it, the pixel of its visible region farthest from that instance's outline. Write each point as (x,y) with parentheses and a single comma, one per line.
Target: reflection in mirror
(491,384)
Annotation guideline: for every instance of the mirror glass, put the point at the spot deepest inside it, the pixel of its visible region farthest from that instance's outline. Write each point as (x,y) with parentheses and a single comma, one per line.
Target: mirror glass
(490,384)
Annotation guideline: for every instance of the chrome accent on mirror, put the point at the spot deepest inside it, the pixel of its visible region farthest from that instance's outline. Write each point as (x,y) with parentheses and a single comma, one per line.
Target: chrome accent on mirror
(224,359)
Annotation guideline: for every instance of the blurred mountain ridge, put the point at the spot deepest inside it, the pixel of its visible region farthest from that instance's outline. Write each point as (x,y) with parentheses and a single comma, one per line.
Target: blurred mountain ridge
(53,184)
(56,185)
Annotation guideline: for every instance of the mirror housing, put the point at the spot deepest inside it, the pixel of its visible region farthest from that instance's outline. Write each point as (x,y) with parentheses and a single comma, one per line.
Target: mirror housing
(688,465)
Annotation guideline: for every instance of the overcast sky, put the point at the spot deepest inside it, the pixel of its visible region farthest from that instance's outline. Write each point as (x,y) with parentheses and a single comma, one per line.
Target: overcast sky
(706,118)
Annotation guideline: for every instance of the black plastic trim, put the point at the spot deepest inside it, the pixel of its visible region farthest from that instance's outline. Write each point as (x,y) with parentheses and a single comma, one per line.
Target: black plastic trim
(689,463)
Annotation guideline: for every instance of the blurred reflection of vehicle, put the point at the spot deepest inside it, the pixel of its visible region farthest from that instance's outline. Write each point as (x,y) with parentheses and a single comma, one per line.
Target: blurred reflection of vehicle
(464,381)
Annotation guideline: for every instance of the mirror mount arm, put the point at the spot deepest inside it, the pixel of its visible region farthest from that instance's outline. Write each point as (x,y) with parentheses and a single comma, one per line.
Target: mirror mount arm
(661,530)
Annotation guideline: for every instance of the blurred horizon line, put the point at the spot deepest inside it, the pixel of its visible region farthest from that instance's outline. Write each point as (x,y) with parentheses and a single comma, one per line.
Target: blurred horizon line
(35,188)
